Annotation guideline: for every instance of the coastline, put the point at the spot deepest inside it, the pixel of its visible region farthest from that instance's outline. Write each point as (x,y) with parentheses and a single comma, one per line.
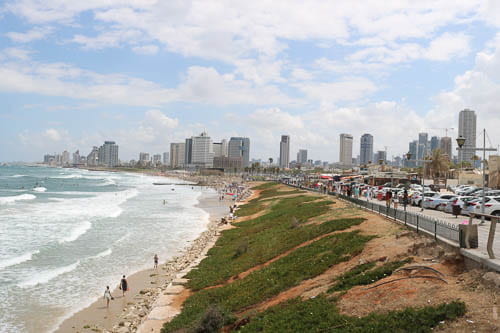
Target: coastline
(125,314)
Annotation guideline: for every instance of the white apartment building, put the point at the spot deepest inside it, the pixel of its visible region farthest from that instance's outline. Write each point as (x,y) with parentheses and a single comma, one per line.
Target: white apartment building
(345,153)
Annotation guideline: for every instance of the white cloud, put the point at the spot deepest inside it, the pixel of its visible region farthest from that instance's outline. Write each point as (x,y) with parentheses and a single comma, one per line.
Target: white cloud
(448,46)
(146,49)
(158,118)
(31,35)
(52,134)
(346,89)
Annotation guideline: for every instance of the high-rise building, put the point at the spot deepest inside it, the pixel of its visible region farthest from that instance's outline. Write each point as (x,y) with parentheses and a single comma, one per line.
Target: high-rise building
(467,129)
(412,149)
(240,147)
(445,146)
(65,157)
(302,156)
(366,149)
(166,159)
(108,154)
(381,157)
(144,159)
(202,151)
(77,159)
(93,157)
(434,144)
(188,152)
(345,153)
(177,154)
(284,151)
(156,159)
(422,147)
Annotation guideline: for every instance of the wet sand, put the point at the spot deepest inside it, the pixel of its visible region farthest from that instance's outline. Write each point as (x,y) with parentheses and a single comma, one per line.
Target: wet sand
(125,312)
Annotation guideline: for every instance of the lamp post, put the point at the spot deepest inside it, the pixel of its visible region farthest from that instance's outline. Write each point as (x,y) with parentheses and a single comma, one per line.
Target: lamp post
(461,142)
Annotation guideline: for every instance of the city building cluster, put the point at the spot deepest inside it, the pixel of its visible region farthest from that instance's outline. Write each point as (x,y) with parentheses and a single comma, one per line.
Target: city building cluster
(105,155)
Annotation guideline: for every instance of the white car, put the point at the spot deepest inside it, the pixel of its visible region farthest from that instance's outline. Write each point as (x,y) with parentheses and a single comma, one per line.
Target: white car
(460,201)
(437,202)
(432,199)
(491,206)
(416,200)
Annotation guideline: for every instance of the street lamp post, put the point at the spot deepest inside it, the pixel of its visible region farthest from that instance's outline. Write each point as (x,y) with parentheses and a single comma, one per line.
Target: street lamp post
(461,142)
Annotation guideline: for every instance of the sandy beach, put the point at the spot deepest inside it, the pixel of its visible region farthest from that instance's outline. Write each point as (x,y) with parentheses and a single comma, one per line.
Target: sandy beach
(125,314)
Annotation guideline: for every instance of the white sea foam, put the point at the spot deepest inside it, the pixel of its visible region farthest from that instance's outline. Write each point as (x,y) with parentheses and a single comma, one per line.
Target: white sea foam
(18,176)
(104,253)
(17,260)
(39,189)
(77,232)
(12,199)
(46,276)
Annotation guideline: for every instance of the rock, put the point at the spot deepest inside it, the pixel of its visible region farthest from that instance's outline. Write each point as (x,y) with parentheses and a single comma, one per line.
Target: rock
(493,278)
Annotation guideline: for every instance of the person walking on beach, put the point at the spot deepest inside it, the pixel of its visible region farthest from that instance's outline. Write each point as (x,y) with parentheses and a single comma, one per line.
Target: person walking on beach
(155,259)
(124,285)
(107,296)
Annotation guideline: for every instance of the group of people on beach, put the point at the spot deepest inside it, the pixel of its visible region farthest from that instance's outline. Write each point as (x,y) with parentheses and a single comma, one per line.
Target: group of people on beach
(123,286)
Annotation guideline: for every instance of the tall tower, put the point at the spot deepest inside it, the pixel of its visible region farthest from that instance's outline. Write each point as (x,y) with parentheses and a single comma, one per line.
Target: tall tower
(345,156)
(467,129)
(422,147)
(302,156)
(284,151)
(240,147)
(366,149)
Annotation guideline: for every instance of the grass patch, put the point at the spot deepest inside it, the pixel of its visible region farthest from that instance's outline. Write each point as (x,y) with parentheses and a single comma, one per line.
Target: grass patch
(364,274)
(268,236)
(321,315)
(303,263)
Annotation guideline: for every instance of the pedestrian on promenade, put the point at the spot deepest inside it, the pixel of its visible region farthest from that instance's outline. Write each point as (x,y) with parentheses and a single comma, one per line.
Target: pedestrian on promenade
(124,285)
(155,259)
(107,296)
(356,192)
(405,198)
(395,200)
(388,197)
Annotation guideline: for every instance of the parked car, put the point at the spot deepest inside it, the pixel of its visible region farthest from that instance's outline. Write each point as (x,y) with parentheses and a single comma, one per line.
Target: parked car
(416,200)
(436,202)
(459,200)
(491,206)
(431,199)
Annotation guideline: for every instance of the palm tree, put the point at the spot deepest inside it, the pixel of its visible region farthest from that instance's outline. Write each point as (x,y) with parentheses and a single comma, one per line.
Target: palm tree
(438,166)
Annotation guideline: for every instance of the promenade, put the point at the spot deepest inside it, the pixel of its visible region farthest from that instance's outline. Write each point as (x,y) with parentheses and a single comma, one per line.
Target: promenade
(439,224)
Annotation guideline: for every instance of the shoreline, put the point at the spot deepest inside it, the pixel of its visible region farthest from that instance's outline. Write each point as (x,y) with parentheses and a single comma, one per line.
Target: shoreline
(126,314)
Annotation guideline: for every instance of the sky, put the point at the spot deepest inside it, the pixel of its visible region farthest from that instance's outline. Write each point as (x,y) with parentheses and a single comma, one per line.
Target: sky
(146,73)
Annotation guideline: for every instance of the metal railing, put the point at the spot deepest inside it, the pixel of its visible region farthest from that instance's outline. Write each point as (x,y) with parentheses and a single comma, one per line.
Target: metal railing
(420,222)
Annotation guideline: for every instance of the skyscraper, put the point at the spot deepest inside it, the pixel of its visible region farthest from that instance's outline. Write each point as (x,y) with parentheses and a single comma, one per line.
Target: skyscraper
(422,147)
(412,148)
(434,144)
(302,156)
(284,151)
(202,151)
(108,154)
(177,154)
(166,159)
(188,152)
(467,129)
(345,154)
(445,146)
(366,149)
(381,157)
(240,147)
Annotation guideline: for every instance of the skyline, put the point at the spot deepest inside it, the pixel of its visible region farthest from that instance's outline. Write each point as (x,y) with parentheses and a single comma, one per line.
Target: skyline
(146,74)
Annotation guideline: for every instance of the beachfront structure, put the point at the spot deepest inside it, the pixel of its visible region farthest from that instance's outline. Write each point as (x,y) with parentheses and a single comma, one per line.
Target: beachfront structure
(202,154)
(240,147)
(166,159)
(467,129)
(445,145)
(345,153)
(108,154)
(302,156)
(144,159)
(177,154)
(366,149)
(221,148)
(77,159)
(284,151)
(65,157)
(188,152)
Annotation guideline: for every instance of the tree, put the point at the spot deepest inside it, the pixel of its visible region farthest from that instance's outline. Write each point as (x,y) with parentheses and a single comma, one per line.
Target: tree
(438,166)
(270,160)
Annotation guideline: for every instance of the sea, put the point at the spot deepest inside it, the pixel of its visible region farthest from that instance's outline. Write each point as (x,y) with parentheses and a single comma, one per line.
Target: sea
(67,233)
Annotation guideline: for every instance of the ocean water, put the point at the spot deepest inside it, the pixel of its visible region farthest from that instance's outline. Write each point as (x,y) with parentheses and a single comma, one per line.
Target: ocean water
(67,233)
